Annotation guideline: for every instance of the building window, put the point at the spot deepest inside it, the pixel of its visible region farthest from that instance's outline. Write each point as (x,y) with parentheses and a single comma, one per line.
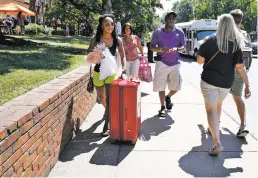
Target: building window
(27,1)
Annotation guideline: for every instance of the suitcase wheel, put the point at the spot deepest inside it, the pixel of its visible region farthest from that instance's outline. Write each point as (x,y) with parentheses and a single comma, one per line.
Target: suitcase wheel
(113,141)
(134,142)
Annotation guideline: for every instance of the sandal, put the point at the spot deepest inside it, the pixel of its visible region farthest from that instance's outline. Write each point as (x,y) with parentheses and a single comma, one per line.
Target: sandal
(106,130)
(162,112)
(216,150)
(105,133)
(168,103)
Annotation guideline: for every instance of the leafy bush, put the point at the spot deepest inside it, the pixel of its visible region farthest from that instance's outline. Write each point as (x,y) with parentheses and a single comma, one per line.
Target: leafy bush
(34,29)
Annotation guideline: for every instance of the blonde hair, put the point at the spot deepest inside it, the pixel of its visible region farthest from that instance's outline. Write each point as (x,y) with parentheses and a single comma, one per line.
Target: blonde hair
(227,31)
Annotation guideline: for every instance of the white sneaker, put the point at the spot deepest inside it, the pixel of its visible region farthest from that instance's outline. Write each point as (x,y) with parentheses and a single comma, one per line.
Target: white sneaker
(242,132)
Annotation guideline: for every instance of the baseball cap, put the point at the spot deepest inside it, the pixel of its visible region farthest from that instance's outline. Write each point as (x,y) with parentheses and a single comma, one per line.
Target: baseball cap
(171,12)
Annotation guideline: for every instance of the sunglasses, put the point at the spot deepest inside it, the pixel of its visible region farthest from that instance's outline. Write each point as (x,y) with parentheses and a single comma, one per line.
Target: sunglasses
(109,24)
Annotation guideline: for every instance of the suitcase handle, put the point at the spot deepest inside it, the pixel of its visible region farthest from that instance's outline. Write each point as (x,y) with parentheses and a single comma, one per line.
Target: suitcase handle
(130,80)
(126,113)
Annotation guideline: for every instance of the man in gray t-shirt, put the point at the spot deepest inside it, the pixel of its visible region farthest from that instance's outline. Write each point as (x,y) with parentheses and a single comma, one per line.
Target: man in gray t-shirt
(238,83)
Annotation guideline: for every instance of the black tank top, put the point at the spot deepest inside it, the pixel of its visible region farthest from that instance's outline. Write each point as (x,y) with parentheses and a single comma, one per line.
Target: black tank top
(112,50)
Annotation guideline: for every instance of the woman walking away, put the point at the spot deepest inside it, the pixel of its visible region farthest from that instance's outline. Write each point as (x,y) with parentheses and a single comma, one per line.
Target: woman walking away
(131,44)
(221,55)
(107,35)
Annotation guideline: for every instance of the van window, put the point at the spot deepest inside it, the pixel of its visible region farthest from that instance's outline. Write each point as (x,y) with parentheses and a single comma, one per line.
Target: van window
(203,34)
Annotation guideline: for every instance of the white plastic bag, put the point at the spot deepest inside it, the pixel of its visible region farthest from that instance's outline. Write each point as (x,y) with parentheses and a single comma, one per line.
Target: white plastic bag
(108,65)
(119,64)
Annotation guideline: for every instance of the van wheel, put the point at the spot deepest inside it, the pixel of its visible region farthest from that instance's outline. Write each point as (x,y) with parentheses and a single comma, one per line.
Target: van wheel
(195,54)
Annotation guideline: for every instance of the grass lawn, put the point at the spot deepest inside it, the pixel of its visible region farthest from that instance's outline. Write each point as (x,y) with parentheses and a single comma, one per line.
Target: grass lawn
(75,42)
(26,66)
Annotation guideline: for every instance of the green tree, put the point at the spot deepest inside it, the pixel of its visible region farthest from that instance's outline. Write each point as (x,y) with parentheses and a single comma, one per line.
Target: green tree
(210,9)
(73,12)
(140,13)
(184,10)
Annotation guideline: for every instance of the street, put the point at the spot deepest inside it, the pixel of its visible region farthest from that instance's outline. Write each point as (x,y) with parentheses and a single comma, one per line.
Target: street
(192,70)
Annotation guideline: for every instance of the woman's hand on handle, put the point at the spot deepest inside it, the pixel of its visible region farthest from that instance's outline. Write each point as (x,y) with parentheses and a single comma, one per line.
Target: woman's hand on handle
(123,75)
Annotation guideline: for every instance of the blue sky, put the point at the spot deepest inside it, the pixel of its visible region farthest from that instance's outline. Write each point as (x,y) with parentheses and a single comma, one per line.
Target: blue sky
(167,5)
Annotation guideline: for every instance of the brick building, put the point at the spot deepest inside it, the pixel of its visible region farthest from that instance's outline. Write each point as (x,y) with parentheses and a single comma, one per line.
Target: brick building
(40,6)
(24,3)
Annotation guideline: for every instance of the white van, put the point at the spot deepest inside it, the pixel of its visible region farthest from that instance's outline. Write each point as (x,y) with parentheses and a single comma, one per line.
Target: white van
(195,31)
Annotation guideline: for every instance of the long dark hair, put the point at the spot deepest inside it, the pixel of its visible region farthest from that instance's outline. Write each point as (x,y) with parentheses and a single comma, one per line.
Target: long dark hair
(99,32)
(130,26)
(19,14)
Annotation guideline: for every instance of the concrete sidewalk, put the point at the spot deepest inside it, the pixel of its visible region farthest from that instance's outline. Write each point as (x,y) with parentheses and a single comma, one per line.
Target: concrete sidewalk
(174,146)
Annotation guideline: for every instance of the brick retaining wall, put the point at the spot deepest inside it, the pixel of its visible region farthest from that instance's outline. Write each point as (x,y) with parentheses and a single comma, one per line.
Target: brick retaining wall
(35,127)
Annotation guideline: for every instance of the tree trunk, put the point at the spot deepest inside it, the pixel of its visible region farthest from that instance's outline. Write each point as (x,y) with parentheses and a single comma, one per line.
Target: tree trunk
(107,7)
(32,7)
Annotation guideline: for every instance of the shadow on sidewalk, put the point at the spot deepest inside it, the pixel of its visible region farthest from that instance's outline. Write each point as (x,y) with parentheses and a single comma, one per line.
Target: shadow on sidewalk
(114,154)
(154,126)
(111,153)
(144,94)
(198,163)
(83,142)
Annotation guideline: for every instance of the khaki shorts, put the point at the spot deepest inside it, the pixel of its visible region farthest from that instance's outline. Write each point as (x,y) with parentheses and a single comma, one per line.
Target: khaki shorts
(166,75)
(213,94)
(238,85)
